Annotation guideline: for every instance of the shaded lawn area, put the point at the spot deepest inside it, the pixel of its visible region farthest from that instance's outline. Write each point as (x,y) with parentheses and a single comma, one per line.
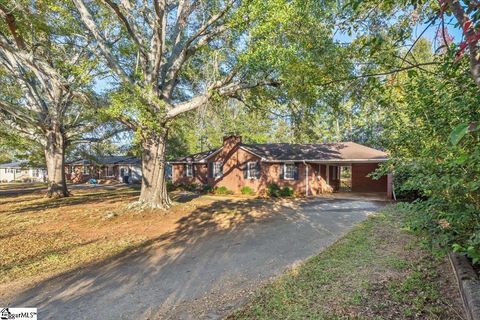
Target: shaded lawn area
(16,185)
(42,237)
(376,271)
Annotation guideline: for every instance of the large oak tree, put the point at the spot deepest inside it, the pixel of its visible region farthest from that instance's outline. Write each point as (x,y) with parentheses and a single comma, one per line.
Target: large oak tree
(44,71)
(170,57)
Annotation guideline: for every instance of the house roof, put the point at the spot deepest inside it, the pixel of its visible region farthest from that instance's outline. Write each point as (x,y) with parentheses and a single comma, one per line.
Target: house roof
(17,164)
(197,157)
(108,160)
(339,151)
(323,152)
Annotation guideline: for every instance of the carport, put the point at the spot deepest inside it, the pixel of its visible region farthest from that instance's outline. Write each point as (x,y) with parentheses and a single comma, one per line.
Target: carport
(349,176)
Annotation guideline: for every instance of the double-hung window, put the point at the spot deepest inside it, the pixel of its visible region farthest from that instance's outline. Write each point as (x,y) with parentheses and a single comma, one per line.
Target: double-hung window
(189,170)
(217,169)
(289,171)
(252,170)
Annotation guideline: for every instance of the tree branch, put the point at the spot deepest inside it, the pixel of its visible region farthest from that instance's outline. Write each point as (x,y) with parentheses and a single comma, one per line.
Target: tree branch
(91,25)
(12,26)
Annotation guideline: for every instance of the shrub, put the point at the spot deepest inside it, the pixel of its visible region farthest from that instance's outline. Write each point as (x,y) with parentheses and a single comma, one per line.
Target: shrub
(222,191)
(247,191)
(207,189)
(170,186)
(286,192)
(273,190)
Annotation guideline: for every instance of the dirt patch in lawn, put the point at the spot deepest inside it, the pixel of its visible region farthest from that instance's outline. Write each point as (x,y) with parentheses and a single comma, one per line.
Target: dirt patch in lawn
(43,237)
(377,271)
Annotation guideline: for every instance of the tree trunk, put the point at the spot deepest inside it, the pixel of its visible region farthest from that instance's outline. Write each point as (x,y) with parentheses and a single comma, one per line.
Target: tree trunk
(55,159)
(470,36)
(154,187)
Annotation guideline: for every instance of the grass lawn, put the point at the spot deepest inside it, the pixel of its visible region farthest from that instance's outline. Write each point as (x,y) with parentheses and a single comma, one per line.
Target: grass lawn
(377,271)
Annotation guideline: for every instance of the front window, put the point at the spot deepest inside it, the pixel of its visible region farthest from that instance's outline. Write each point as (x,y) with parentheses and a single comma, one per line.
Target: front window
(289,171)
(189,170)
(252,172)
(86,170)
(217,169)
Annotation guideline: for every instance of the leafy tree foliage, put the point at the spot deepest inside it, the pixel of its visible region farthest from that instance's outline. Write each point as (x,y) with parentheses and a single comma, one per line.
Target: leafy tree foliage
(171,57)
(45,73)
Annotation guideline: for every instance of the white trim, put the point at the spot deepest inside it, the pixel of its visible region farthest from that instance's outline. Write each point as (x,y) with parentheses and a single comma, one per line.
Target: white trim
(187,165)
(214,174)
(285,170)
(249,176)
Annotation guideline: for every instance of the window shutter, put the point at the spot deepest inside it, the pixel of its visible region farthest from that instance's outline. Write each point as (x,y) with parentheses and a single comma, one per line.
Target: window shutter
(258,169)
(296,172)
(282,173)
(193,170)
(210,169)
(245,170)
(221,169)
(184,170)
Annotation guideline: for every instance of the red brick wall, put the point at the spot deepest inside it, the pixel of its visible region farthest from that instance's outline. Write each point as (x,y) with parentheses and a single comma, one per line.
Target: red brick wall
(234,159)
(362,183)
(200,174)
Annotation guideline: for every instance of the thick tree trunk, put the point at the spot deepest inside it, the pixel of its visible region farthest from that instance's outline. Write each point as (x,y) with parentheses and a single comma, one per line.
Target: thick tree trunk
(55,159)
(154,186)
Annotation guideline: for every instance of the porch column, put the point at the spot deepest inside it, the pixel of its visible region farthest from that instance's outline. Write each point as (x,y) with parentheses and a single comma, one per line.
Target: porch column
(328,174)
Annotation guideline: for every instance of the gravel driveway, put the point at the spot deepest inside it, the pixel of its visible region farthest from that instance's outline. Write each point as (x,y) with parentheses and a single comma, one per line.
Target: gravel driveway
(198,272)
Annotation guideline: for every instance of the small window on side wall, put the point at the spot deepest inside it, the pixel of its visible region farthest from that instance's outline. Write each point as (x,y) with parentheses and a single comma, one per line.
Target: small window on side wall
(253,170)
(189,170)
(217,169)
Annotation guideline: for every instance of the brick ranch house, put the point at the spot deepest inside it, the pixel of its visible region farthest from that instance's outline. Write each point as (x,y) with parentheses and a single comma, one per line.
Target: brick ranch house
(119,168)
(310,169)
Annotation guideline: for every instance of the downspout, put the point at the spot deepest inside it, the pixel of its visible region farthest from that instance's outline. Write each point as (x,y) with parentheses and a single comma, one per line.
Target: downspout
(306,178)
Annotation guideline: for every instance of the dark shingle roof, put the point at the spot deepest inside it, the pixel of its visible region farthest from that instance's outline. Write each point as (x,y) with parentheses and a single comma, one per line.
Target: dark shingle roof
(196,157)
(323,151)
(17,164)
(108,160)
(298,152)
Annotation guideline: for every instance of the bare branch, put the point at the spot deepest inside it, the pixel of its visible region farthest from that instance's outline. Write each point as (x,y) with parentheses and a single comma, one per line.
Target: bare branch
(89,22)
(130,27)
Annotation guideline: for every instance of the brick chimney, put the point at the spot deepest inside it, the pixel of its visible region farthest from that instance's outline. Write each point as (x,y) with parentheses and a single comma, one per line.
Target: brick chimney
(230,142)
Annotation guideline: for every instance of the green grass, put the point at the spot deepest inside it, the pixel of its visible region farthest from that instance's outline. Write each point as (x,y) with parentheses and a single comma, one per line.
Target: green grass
(377,271)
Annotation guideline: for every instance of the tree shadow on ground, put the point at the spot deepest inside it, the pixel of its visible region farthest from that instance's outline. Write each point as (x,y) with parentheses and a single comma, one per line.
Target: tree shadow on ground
(105,196)
(212,245)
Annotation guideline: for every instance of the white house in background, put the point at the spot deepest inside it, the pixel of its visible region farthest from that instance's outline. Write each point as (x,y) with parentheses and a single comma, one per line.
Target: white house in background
(21,171)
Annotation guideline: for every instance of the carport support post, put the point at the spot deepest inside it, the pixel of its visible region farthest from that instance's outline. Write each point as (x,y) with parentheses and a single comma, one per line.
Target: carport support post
(389,186)
(306,178)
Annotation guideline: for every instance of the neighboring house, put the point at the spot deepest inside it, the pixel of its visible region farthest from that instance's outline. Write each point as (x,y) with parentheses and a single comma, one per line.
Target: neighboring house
(121,168)
(21,171)
(309,169)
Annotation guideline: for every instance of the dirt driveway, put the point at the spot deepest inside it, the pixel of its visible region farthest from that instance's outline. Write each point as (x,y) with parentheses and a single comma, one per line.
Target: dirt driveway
(201,269)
